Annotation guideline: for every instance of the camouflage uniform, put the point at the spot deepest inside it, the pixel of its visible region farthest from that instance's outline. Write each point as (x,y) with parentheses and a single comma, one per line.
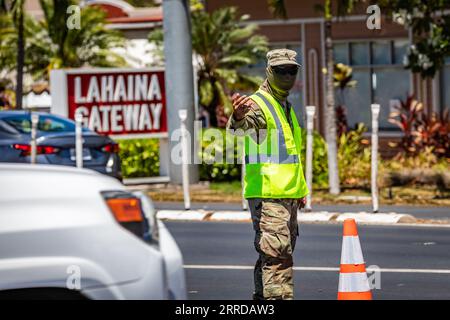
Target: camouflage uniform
(276,227)
(275,224)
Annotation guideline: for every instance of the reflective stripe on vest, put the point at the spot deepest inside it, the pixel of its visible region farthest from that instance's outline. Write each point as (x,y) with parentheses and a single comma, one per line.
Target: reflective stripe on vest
(283,156)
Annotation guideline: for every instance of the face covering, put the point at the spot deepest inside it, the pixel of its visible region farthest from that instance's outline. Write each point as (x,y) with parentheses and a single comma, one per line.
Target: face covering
(278,85)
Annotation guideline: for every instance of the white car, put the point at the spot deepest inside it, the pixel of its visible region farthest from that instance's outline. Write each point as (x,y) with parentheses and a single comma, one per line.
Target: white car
(74,233)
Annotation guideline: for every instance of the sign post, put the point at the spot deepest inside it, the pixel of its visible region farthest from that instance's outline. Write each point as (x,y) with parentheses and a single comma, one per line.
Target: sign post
(34,124)
(374,156)
(184,158)
(310,111)
(78,141)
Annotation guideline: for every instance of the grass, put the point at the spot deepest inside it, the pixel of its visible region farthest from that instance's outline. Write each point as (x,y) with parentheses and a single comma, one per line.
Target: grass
(232,188)
(202,192)
(232,192)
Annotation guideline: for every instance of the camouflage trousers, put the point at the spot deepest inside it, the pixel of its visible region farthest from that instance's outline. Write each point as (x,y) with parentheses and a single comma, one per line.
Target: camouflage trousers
(276,231)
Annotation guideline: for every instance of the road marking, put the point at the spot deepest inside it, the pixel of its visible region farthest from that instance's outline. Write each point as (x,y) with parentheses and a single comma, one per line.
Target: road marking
(387,270)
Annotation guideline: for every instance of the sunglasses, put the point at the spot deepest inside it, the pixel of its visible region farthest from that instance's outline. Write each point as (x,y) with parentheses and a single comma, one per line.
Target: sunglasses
(286,70)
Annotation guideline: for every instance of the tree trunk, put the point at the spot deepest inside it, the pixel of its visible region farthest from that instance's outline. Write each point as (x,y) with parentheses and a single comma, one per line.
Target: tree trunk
(20,61)
(212,116)
(330,115)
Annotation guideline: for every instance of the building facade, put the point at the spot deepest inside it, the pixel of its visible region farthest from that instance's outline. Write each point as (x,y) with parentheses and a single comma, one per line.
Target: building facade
(376,57)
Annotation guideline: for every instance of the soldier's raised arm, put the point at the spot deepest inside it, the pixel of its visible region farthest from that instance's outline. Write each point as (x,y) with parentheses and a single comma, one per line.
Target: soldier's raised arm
(246,114)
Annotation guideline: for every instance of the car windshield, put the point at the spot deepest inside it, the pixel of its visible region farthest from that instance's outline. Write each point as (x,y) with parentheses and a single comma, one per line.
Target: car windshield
(47,124)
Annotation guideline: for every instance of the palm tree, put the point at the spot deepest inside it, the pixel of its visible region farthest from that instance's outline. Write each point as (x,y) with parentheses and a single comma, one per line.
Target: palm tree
(8,41)
(15,8)
(91,44)
(342,78)
(342,7)
(222,46)
(50,44)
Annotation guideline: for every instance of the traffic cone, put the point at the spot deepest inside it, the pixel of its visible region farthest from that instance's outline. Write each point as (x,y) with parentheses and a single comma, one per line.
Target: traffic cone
(353,282)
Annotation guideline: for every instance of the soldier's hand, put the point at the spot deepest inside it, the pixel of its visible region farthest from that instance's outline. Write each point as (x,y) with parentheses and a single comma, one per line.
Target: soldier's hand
(302,202)
(241,105)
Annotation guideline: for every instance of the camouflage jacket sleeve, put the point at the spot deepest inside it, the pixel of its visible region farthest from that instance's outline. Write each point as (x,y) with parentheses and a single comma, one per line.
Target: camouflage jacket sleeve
(253,119)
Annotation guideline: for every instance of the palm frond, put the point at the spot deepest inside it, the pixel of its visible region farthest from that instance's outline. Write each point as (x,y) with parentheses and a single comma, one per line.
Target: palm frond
(206,92)
(278,8)
(224,98)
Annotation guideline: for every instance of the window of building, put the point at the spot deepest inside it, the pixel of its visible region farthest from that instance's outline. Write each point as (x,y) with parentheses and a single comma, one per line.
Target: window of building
(359,53)
(381,52)
(380,75)
(340,52)
(400,48)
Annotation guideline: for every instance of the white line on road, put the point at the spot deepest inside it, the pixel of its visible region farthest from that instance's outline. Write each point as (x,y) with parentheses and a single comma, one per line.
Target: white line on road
(387,270)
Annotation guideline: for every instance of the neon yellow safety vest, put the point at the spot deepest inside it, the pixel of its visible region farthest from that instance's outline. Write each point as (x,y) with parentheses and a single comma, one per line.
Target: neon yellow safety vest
(273,166)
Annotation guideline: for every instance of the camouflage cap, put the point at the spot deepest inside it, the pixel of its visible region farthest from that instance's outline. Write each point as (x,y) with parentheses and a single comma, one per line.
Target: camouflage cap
(279,57)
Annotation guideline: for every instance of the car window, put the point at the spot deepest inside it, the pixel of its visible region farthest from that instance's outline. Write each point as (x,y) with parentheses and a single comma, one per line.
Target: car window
(20,124)
(7,129)
(48,124)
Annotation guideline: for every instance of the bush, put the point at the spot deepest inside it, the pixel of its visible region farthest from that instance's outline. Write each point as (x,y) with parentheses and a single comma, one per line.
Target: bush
(421,130)
(320,162)
(425,168)
(354,158)
(213,149)
(139,157)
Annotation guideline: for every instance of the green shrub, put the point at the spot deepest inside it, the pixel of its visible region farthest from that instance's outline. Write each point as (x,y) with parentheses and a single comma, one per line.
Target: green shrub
(425,168)
(320,162)
(140,157)
(232,171)
(354,158)
(211,150)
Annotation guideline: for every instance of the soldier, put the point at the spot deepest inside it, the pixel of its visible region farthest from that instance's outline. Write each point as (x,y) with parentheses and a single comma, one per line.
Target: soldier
(274,183)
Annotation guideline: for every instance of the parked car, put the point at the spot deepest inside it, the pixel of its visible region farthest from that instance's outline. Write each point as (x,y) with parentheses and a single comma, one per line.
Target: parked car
(74,233)
(55,143)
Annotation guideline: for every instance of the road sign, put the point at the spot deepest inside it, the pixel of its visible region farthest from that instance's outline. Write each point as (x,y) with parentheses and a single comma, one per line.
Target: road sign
(120,103)
(116,102)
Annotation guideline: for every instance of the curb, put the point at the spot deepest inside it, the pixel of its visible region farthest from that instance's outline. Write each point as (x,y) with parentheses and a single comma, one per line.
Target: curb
(324,216)
(191,215)
(385,218)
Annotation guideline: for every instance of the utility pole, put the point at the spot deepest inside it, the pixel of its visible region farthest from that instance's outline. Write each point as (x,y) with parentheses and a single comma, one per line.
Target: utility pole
(179,80)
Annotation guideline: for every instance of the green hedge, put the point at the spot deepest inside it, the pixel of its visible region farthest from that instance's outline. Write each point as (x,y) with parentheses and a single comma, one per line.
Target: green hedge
(212,148)
(320,160)
(140,158)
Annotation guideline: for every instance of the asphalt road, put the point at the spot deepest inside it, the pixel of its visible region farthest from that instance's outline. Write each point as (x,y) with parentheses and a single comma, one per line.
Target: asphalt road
(219,258)
(417,211)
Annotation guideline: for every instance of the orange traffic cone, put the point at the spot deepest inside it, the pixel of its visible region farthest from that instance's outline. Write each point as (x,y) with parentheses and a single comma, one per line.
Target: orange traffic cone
(353,282)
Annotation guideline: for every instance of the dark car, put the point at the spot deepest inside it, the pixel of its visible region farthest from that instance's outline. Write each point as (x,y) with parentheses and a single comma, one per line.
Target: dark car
(55,143)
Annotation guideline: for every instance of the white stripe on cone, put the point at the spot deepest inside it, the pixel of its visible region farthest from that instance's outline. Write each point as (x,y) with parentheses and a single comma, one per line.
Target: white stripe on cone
(351,251)
(353,282)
